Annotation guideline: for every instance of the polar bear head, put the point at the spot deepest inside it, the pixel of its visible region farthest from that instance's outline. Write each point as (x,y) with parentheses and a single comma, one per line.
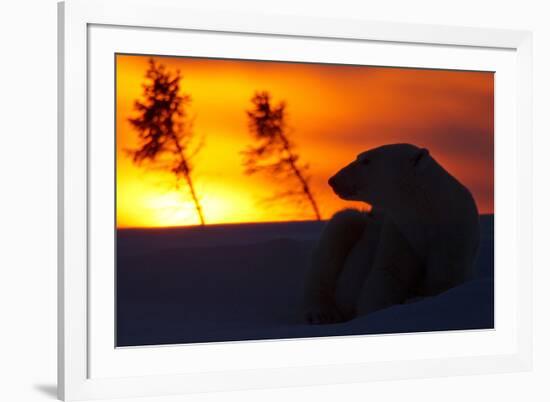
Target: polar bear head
(376,175)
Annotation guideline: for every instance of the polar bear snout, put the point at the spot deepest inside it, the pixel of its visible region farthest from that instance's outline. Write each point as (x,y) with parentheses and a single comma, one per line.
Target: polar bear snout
(343,188)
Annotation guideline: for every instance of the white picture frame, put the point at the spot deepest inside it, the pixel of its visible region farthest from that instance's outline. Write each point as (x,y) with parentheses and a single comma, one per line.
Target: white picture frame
(79,377)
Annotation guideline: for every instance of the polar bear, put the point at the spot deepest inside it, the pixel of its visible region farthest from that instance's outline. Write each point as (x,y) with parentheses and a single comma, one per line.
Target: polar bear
(419,239)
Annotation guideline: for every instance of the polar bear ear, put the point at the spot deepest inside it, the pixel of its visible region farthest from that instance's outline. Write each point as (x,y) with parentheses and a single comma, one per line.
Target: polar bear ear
(419,156)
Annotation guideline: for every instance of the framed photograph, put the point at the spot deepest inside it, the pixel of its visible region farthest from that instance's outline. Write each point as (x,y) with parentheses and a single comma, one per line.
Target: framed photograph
(251,201)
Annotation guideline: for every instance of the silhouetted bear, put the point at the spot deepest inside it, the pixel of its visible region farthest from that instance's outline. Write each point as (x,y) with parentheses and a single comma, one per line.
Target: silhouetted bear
(420,238)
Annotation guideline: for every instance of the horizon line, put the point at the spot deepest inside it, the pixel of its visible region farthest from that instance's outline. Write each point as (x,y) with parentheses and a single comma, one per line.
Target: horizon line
(237,224)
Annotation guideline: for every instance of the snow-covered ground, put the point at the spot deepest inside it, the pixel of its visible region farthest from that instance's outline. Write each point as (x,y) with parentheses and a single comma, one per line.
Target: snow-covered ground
(243,282)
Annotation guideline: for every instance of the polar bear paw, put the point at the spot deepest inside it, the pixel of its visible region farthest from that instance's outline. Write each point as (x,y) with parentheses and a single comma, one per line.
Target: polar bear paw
(327,314)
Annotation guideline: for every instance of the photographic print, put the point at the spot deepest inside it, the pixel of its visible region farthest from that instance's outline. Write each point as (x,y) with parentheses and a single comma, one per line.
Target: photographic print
(272,200)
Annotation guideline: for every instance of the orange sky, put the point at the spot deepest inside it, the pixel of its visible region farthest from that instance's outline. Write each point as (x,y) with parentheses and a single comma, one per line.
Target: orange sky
(335,113)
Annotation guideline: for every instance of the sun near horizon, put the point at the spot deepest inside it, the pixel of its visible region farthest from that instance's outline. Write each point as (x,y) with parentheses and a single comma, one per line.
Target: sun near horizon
(334,113)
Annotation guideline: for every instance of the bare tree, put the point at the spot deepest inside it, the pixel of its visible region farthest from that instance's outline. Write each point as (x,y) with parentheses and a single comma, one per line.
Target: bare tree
(274,153)
(163,128)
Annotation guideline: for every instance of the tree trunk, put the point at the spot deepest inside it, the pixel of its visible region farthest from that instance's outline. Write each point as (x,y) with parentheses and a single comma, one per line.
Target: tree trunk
(187,174)
(195,199)
(307,192)
(303,181)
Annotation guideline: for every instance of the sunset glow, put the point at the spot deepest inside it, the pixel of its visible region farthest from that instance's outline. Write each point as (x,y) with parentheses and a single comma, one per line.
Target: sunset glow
(335,112)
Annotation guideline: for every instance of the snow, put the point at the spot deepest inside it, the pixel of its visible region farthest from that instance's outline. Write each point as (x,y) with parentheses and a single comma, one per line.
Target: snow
(245,282)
